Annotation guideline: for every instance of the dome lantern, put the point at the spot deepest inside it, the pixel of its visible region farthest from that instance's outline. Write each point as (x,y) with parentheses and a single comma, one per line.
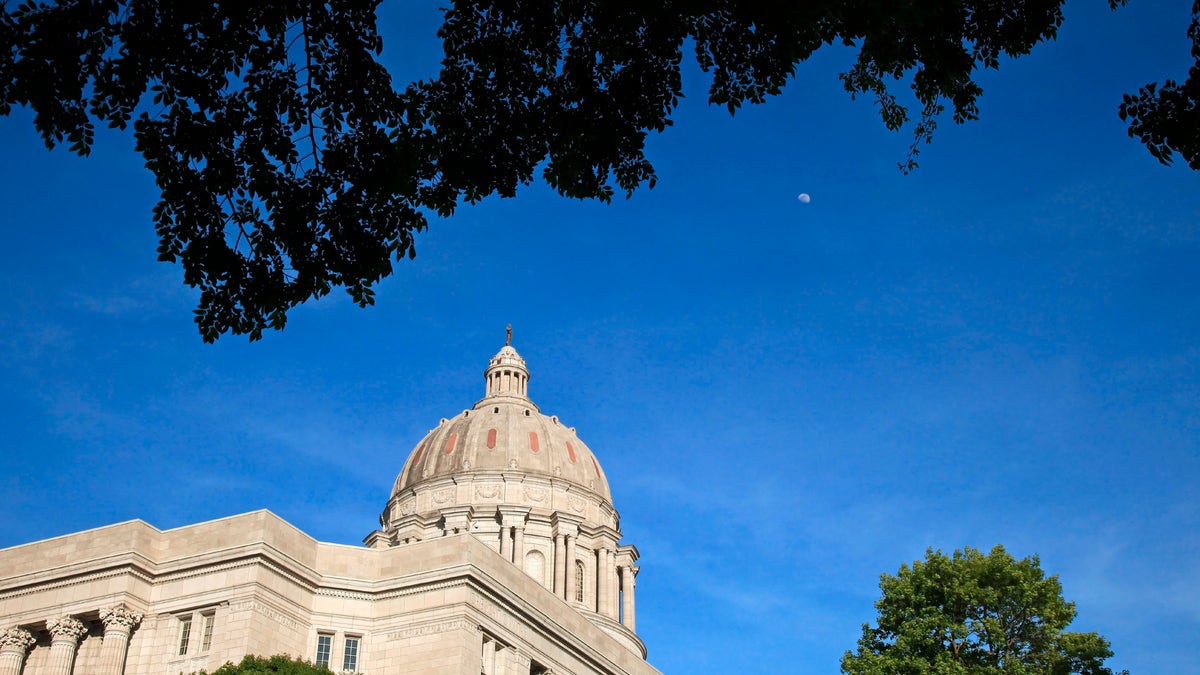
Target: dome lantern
(506,374)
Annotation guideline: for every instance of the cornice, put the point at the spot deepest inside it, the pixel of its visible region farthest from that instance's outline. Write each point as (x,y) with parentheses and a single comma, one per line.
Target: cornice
(130,568)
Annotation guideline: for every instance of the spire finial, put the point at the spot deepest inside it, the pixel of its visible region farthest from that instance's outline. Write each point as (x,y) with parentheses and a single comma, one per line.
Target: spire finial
(508,337)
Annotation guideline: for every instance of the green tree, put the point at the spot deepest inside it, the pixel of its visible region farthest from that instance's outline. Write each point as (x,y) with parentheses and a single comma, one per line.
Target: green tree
(290,165)
(276,665)
(975,614)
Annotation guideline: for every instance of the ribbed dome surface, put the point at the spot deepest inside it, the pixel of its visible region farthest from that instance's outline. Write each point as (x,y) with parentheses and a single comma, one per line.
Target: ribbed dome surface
(504,432)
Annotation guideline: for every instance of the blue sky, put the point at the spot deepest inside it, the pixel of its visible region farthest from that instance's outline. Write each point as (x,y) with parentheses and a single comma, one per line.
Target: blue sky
(788,399)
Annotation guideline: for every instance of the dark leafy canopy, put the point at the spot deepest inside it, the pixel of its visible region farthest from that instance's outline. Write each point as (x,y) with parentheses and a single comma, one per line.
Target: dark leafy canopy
(272,131)
(276,665)
(1167,118)
(975,614)
(289,164)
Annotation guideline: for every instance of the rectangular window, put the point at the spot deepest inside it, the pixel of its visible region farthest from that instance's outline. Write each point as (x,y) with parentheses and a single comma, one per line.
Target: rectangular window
(206,631)
(185,633)
(350,655)
(324,643)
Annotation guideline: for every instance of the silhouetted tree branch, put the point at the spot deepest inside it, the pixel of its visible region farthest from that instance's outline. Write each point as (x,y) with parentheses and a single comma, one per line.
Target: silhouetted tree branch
(219,95)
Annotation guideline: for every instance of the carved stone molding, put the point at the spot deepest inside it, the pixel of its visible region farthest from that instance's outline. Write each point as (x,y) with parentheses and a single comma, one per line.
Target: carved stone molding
(343,593)
(431,629)
(487,490)
(535,493)
(125,570)
(66,628)
(16,640)
(119,618)
(284,620)
(576,504)
(443,495)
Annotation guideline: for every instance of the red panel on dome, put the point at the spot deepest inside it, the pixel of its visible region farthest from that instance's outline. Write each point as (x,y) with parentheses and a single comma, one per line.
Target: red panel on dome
(533,441)
(491,439)
(450,443)
(571,451)
(417,455)
(596,467)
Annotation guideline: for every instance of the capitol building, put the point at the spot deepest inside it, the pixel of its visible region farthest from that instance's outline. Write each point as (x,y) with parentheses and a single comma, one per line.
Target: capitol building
(498,553)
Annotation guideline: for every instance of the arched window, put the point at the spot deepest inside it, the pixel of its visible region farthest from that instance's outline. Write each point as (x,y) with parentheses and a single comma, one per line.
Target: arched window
(535,566)
(578,581)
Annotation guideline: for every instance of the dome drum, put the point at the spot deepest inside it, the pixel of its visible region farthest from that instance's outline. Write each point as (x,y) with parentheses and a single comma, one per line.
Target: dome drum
(483,490)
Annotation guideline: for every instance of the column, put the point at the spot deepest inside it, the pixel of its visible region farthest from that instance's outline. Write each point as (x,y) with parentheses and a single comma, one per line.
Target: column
(603,584)
(627,584)
(64,640)
(602,581)
(519,546)
(560,564)
(14,645)
(569,565)
(501,667)
(610,583)
(118,624)
(505,538)
(614,588)
(488,658)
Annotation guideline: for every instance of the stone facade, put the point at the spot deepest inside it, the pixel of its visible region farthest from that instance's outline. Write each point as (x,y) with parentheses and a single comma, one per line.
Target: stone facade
(498,554)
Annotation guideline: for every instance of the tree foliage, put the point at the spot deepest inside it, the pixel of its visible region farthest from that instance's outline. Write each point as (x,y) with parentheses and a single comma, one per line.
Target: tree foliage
(975,614)
(275,665)
(290,164)
(1167,118)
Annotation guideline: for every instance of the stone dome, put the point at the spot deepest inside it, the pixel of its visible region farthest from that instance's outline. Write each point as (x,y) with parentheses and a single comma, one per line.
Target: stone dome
(505,432)
(527,486)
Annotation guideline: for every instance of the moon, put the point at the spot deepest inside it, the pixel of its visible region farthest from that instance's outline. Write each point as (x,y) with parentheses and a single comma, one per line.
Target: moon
(803,198)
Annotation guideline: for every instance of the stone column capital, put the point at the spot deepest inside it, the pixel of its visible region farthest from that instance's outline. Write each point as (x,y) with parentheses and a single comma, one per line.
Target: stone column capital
(16,639)
(513,516)
(566,524)
(66,629)
(119,618)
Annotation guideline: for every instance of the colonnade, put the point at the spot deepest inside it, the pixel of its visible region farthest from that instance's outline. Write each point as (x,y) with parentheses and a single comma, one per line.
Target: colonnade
(65,634)
(615,587)
(608,588)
